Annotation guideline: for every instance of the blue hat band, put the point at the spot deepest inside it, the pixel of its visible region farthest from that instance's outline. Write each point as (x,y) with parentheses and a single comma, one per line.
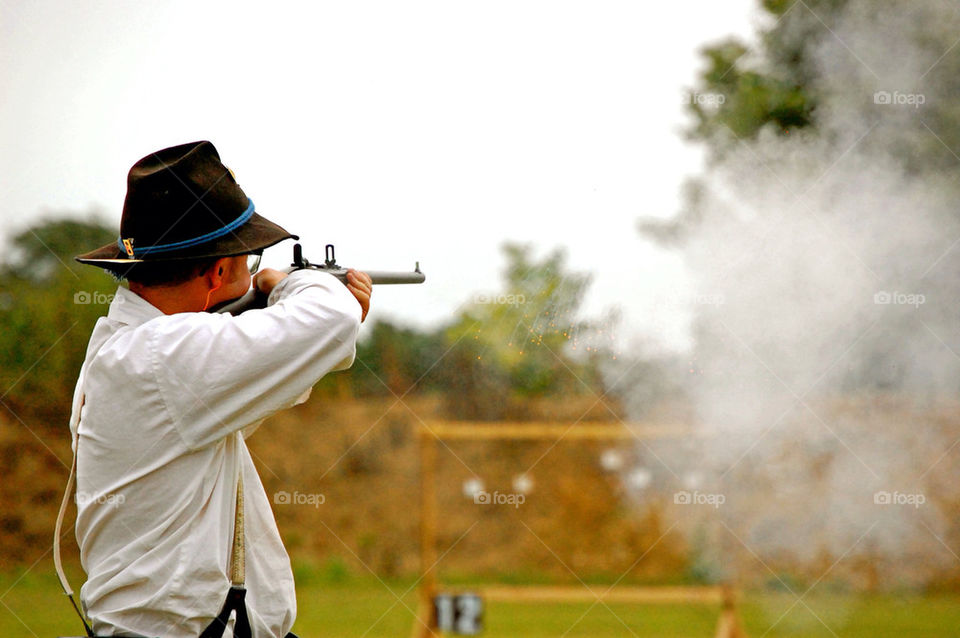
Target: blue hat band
(188,243)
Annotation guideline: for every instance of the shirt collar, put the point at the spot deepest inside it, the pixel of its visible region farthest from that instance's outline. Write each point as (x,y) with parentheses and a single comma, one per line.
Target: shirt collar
(132,309)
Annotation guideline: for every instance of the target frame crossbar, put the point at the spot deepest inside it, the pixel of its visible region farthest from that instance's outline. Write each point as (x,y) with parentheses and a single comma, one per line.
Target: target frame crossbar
(535,430)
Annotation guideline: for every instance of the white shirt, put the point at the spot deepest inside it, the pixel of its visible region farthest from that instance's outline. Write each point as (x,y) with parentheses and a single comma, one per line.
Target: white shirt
(169,400)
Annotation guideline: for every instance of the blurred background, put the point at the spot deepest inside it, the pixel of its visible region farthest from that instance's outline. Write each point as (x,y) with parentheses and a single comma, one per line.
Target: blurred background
(726,229)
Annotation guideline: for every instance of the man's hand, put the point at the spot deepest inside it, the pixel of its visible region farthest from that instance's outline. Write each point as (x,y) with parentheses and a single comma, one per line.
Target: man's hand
(361,286)
(265,280)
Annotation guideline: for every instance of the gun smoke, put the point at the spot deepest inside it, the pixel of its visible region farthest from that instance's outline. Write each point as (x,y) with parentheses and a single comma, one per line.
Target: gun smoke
(825,382)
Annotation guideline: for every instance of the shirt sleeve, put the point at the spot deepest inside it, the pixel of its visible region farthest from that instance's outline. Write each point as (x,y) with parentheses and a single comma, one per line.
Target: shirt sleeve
(219,373)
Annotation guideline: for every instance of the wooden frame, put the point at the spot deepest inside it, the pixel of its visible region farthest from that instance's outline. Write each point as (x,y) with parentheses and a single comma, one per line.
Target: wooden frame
(429,434)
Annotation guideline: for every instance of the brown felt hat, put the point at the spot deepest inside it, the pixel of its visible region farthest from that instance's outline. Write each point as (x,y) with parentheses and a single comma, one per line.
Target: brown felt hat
(183,203)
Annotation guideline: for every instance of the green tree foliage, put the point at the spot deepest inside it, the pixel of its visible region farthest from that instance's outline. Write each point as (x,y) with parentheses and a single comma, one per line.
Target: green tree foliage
(813,71)
(780,82)
(519,343)
(771,85)
(734,101)
(743,90)
(48,306)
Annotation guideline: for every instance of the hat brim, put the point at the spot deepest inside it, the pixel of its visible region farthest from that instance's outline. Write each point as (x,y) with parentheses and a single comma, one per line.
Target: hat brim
(257,234)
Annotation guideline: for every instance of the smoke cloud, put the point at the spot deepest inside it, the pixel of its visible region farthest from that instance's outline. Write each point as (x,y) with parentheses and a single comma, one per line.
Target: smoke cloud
(826,368)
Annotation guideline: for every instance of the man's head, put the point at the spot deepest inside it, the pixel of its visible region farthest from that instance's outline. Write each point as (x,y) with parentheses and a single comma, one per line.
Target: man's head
(194,286)
(186,222)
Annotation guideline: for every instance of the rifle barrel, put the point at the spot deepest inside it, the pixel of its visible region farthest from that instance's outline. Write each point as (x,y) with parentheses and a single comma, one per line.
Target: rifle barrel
(380,277)
(252,300)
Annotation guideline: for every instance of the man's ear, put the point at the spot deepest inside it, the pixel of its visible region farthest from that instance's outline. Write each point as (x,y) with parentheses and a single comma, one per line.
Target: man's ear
(215,273)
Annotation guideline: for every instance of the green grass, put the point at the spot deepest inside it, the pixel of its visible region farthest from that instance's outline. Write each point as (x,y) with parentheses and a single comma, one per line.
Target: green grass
(334,604)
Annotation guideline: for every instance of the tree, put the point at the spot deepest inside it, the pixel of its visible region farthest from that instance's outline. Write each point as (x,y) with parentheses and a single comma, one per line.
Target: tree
(814,54)
(48,306)
(521,342)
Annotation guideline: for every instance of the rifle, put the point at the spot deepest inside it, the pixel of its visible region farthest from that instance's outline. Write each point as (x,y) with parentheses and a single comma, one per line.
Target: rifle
(254,299)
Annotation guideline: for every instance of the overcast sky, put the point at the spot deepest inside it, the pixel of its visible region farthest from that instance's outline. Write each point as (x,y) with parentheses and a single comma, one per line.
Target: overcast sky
(399,131)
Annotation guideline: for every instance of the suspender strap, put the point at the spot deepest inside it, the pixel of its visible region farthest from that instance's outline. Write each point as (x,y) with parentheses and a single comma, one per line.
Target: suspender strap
(64,583)
(238,560)
(236,596)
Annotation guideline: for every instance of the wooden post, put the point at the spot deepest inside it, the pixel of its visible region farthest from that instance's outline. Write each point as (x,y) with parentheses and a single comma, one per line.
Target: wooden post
(729,624)
(428,533)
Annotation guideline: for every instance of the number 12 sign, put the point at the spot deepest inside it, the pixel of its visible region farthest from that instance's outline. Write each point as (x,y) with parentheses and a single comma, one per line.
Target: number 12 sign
(460,614)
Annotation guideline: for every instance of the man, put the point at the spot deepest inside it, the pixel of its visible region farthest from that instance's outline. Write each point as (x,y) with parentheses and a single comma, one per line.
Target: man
(168,393)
